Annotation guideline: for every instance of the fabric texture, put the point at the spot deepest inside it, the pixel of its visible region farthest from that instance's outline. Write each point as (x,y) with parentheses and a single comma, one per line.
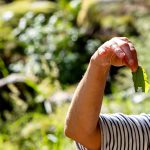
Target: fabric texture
(124,132)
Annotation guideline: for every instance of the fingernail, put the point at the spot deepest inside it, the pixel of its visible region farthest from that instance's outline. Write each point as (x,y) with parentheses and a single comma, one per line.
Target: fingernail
(131,62)
(133,69)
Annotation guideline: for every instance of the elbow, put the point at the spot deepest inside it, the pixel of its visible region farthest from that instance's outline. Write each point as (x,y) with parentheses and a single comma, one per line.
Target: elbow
(88,139)
(68,130)
(71,129)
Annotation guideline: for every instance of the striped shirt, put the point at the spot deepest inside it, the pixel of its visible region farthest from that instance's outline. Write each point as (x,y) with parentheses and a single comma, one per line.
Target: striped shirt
(123,132)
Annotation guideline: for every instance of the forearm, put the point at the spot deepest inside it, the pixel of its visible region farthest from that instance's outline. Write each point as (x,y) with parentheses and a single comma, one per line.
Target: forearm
(84,111)
(82,119)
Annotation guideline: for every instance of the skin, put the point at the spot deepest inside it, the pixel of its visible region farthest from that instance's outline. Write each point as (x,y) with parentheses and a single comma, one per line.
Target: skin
(82,121)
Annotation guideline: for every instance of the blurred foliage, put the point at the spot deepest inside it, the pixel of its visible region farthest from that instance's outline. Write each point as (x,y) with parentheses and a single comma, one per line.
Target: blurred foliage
(116,103)
(21,7)
(35,131)
(45,46)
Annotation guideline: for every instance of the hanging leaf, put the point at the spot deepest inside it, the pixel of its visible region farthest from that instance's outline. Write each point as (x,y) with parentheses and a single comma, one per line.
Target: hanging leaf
(140,80)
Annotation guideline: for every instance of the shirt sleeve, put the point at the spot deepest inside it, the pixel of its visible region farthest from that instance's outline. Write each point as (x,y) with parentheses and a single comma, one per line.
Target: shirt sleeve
(80,147)
(120,131)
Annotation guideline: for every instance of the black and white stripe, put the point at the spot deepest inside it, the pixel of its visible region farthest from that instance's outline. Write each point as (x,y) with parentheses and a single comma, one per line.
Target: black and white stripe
(123,132)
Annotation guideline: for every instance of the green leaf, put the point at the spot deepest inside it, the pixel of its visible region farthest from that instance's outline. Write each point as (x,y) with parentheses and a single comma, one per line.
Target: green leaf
(140,80)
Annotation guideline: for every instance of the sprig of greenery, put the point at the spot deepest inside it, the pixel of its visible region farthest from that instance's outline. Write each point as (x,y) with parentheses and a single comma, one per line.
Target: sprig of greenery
(140,80)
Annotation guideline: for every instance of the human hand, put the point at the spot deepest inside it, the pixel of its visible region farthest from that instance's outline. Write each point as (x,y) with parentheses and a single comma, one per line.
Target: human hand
(118,51)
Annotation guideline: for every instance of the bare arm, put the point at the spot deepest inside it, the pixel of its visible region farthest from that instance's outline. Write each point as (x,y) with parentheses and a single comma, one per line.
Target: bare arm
(83,115)
(87,103)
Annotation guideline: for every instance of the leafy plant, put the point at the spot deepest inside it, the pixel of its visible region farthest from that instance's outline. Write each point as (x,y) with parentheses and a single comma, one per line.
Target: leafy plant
(52,44)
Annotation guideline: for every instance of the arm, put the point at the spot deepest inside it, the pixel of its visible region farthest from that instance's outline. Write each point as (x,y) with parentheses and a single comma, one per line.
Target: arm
(83,115)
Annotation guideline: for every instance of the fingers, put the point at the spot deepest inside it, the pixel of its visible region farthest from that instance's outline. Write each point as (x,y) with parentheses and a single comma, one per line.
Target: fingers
(134,54)
(127,47)
(132,48)
(118,50)
(133,51)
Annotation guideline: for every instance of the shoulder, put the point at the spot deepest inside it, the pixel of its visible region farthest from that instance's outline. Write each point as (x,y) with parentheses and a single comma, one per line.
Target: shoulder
(119,117)
(118,120)
(125,129)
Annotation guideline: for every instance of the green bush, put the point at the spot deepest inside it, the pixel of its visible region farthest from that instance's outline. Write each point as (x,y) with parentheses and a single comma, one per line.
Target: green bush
(35,131)
(53,44)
